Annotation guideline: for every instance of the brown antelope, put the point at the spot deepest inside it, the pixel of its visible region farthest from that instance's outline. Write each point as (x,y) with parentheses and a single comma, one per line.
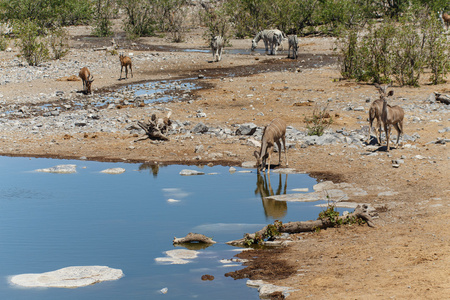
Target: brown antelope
(391,115)
(125,61)
(375,113)
(87,79)
(272,134)
(445,18)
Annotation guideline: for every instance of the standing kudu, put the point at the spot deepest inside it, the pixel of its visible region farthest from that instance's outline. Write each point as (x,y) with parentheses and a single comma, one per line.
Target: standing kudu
(375,111)
(272,134)
(87,79)
(391,115)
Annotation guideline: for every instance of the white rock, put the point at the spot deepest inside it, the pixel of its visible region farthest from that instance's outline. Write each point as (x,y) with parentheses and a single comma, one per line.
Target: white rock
(70,277)
(113,171)
(178,257)
(63,169)
(187,172)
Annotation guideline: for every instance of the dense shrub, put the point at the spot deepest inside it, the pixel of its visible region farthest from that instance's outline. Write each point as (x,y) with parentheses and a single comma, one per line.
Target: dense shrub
(33,46)
(140,20)
(105,11)
(59,42)
(397,50)
(47,13)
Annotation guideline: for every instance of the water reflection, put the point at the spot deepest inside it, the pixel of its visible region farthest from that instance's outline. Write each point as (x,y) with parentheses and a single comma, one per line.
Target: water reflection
(272,208)
(154,168)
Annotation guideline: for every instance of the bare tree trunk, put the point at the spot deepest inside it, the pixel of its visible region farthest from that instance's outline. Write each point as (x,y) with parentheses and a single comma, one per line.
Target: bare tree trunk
(305,226)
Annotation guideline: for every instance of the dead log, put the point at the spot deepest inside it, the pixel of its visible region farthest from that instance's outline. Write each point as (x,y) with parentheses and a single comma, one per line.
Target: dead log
(442,98)
(193,238)
(306,226)
(155,128)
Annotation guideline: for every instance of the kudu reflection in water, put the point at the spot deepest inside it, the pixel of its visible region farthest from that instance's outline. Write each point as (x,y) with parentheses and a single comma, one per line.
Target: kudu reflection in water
(153,167)
(272,208)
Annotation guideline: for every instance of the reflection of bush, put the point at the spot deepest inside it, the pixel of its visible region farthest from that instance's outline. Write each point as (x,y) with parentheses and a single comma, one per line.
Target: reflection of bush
(272,208)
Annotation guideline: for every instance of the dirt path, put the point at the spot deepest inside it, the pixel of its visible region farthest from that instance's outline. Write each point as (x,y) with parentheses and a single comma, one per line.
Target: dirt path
(405,256)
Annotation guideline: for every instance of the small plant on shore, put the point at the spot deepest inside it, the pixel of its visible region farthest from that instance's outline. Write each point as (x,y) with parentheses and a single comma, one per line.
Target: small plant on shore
(331,215)
(319,121)
(272,231)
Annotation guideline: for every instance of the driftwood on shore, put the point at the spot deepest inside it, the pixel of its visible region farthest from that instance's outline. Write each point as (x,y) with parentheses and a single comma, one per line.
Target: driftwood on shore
(305,226)
(155,128)
(193,238)
(442,98)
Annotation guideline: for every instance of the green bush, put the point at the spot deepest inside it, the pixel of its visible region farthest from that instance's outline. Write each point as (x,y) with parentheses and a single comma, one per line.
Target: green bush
(59,42)
(319,121)
(47,13)
(105,10)
(3,43)
(33,46)
(140,20)
(397,50)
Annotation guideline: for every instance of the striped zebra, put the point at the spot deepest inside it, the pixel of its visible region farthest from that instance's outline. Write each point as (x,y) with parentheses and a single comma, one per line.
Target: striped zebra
(274,40)
(264,35)
(217,44)
(293,43)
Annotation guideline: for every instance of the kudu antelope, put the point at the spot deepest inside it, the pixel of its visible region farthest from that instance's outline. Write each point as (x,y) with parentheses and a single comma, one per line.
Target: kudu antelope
(391,115)
(272,134)
(87,79)
(375,113)
(125,61)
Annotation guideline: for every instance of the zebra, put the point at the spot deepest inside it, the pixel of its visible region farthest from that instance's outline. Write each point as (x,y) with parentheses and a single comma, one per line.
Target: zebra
(217,44)
(264,35)
(293,43)
(274,40)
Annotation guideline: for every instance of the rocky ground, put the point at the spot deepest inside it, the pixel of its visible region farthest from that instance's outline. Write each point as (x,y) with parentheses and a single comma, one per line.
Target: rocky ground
(218,111)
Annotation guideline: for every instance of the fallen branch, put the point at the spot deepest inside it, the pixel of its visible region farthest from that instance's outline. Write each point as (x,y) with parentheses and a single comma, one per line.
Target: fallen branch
(442,98)
(155,128)
(306,226)
(193,238)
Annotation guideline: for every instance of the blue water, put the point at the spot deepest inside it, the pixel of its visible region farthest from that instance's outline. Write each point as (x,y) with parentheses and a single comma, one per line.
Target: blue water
(51,221)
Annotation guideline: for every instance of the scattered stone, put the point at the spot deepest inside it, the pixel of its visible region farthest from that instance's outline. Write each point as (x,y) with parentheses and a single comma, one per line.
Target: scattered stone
(62,169)
(178,257)
(187,172)
(246,129)
(207,277)
(113,171)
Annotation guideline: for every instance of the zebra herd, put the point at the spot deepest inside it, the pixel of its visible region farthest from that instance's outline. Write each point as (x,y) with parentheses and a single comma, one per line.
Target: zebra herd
(272,39)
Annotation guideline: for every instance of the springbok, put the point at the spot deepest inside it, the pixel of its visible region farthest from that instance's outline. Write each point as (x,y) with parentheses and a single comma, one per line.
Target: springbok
(293,43)
(87,79)
(391,115)
(375,113)
(272,134)
(125,61)
(217,44)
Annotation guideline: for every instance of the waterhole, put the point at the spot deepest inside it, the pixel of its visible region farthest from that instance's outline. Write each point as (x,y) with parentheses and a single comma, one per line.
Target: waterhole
(127,221)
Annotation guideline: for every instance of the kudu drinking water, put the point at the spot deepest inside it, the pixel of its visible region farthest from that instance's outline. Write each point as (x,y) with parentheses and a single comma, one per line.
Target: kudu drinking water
(273,133)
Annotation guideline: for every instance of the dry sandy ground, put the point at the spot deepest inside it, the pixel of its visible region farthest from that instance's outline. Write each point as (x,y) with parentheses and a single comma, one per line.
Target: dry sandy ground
(405,256)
